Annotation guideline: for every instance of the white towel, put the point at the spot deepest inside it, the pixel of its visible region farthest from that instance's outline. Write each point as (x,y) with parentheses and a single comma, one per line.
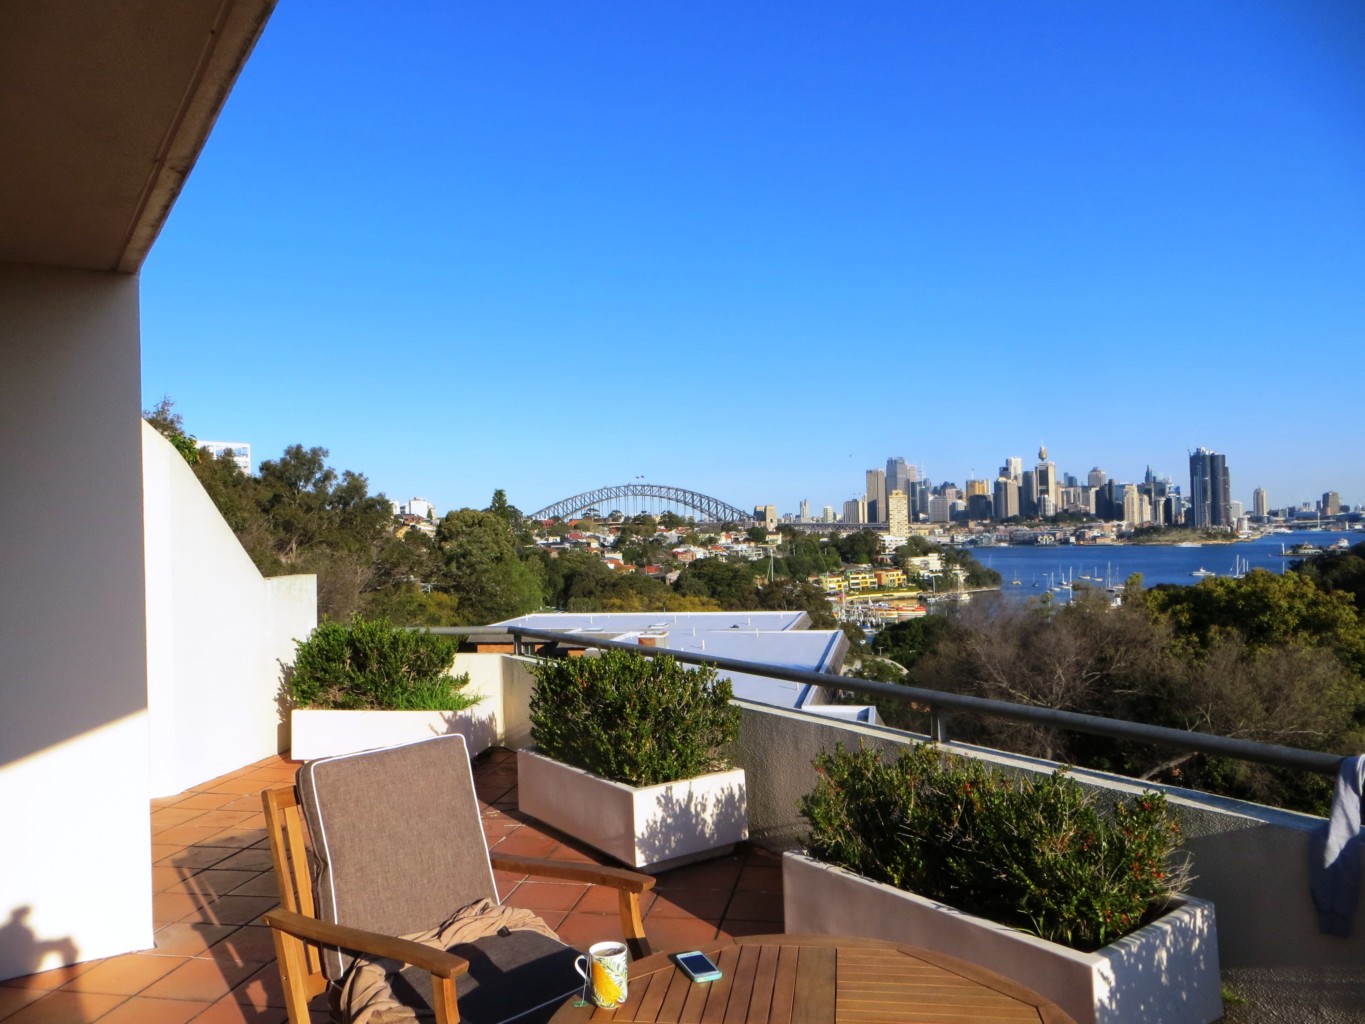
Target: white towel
(1335,852)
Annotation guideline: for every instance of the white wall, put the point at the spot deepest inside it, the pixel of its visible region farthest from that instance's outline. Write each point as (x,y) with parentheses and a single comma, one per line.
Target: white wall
(218,633)
(75,860)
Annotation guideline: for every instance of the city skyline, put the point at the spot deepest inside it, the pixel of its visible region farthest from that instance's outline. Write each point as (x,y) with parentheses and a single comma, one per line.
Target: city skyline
(546,248)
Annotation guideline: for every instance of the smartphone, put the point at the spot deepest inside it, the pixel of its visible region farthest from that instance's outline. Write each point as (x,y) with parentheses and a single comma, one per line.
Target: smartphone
(697,966)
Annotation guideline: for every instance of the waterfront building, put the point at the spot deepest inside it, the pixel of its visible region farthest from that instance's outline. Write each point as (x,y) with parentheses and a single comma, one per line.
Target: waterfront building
(979,506)
(876,496)
(238,451)
(898,513)
(1331,503)
(1210,497)
(1260,503)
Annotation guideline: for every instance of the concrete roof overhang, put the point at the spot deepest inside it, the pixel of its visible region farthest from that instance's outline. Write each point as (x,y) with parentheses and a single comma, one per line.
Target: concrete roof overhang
(104,107)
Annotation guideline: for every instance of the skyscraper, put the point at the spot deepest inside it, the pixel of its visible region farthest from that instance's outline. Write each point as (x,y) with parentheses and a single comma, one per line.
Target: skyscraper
(1097,477)
(898,475)
(897,514)
(1331,503)
(1210,491)
(1260,503)
(1006,503)
(1049,487)
(876,496)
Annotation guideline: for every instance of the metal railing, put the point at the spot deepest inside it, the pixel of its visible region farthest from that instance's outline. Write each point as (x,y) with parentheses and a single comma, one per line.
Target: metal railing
(942,705)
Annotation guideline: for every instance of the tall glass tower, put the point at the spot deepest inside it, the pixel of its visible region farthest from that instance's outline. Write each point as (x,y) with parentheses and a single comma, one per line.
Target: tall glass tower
(1210,492)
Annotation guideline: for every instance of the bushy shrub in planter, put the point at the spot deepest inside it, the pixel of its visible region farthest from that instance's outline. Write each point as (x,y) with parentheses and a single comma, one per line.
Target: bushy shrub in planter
(370,664)
(1031,853)
(633,719)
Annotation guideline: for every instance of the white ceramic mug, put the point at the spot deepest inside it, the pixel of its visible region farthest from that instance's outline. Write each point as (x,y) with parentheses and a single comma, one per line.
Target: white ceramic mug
(606,968)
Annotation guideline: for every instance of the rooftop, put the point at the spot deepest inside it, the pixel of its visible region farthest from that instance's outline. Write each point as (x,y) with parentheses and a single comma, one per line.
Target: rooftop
(214,962)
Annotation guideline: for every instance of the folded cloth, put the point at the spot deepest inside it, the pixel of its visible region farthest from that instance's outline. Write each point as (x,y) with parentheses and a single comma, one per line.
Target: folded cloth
(1335,852)
(368,993)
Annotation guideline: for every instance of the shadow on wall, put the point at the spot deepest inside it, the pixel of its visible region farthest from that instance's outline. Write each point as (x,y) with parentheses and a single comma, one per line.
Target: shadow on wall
(690,823)
(1150,984)
(480,732)
(22,949)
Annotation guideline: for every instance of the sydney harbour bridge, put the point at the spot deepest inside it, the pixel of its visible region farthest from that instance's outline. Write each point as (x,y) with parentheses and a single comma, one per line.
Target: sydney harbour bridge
(655,499)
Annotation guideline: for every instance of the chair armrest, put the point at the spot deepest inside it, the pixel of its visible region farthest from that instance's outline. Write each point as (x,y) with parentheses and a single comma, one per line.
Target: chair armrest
(597,874)
(439,962)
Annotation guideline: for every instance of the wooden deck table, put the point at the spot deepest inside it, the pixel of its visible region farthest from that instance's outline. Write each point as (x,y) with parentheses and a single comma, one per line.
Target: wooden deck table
(820,979)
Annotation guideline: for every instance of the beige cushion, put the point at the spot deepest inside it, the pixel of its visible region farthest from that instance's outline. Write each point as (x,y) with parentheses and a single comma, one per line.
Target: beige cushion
(397,838)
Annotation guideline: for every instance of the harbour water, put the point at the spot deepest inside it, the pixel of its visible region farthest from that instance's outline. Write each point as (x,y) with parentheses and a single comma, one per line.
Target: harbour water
(1038,568)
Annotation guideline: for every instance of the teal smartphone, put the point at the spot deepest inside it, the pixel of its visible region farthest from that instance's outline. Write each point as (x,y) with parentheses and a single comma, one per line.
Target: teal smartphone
(697,966)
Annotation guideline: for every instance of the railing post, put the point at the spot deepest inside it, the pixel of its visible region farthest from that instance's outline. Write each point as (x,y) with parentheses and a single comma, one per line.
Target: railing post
(938,724)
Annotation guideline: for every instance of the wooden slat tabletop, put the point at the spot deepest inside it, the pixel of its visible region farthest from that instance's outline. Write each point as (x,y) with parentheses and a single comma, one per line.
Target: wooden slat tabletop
(821,979)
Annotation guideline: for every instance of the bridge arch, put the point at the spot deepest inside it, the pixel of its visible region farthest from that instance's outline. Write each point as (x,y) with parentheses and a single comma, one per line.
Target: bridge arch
(707,509)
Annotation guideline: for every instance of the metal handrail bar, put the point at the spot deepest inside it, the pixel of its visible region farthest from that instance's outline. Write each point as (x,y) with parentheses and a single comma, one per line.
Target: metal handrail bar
(940,702)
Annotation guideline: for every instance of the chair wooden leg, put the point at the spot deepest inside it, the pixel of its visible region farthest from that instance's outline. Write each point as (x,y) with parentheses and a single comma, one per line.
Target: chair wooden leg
(292,958)
(632,924)
(443,999)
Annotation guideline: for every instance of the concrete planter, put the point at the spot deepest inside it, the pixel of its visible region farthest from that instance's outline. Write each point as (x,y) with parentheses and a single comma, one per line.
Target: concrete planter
(650,828)
(1165,972)
(315,733)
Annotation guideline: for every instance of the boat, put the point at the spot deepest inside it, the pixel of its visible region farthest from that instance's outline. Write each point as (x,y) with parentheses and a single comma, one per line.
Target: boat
(1201,572)
(1189,544)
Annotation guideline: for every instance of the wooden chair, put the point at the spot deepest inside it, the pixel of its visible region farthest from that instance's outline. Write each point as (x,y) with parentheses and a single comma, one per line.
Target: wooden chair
(395,845)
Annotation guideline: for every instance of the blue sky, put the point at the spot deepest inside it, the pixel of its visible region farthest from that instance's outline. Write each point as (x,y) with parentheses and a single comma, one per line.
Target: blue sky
(754,249)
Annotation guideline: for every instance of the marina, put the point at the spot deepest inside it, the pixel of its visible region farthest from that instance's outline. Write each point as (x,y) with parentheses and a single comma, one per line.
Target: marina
(1061,569)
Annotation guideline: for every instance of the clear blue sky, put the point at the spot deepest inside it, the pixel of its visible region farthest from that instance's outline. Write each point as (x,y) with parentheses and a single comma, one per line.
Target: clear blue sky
(755,248)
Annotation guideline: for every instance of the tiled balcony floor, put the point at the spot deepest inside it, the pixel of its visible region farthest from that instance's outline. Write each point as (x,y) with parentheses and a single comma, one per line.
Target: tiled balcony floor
(214,962)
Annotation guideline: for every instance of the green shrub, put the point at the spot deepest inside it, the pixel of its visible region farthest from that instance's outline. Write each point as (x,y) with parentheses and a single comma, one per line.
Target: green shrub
(371,664)
(633,719)
(1033,853)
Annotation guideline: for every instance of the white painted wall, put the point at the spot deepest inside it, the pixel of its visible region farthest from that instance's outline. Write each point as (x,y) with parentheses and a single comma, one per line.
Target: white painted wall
(218,633)
(75,860)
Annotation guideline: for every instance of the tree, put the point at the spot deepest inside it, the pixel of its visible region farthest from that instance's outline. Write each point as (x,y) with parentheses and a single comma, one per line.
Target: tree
(859,548)
(730,584)
(485,573)
(171,425)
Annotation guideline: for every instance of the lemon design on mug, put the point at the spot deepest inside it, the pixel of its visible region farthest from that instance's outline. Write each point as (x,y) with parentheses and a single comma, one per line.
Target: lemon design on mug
(604,986)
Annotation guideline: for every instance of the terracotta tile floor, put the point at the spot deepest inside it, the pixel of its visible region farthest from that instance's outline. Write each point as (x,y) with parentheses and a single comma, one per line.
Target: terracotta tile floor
(214,962)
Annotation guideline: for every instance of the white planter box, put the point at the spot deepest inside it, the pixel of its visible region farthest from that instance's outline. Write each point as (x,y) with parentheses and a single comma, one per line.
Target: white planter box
(1165,972)
(316,733)
(651,828)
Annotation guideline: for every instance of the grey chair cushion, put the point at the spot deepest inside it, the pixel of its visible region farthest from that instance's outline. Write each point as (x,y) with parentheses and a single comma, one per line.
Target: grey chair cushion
(519,978)
(397,838)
